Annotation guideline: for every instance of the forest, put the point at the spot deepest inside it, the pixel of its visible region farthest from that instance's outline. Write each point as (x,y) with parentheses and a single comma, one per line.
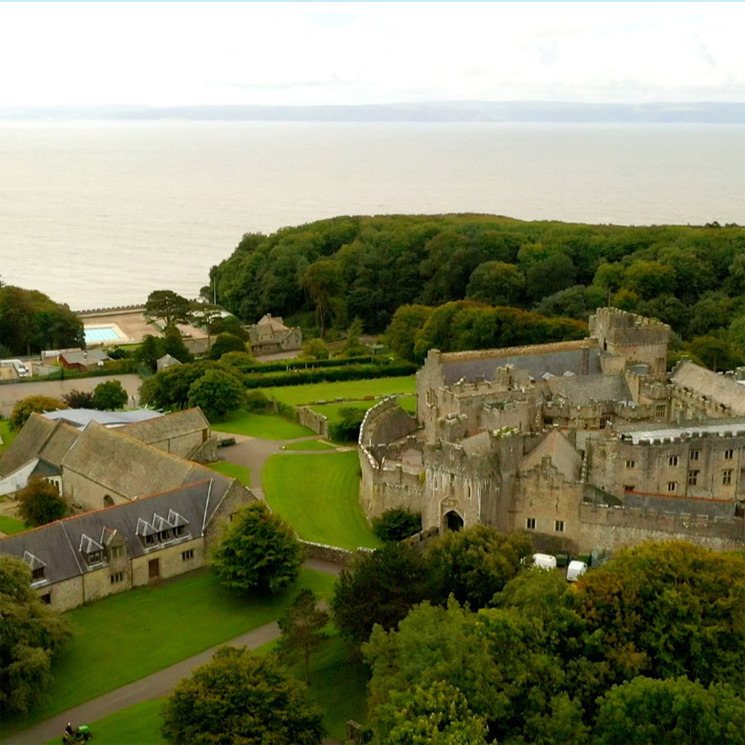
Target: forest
(324,274)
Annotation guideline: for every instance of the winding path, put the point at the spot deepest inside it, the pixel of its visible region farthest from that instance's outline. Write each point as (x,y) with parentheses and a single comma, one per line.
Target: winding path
(152,686)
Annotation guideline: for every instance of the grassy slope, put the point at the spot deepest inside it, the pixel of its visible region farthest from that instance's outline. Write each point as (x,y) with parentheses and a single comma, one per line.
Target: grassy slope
(234,471)
(155,626)
(309,445)
(318,495)
(347,389)
(261,425)
(7,435)
(9,525)
(331,411)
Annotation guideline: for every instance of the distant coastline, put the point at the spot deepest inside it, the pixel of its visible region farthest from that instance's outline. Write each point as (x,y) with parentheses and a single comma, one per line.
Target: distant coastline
(549,112)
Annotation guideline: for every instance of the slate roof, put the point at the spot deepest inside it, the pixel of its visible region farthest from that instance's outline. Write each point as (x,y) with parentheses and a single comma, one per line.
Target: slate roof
(171,425)
(81,417)
(38,437)
(58,544)
(536,364)
(128,467)
(564,456)
(587,389)
(717,388)
(86,357)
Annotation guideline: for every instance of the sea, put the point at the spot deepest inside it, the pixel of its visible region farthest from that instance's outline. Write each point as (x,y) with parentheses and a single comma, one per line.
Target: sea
(98,214)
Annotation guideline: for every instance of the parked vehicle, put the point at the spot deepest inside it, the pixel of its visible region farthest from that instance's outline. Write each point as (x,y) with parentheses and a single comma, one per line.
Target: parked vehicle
(20,368)
(544,561)
(575,570)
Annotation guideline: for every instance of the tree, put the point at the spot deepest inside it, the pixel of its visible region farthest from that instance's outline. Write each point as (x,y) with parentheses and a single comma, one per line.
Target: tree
(258,551)
(217,392)
(30,405)
(173,344)
(347,427)
(324,283)
(496,283)
(226,343)
(78,399)
(169,389)
(379,588)
(150,351)
(317,349)
(353,346)
(406,323)
(668,609)
(110,396)
(670,712)
(39,502)
(301,626)
(397,524)
(475,563)
(240,697)
(31,634)
(169,306)
(434,715)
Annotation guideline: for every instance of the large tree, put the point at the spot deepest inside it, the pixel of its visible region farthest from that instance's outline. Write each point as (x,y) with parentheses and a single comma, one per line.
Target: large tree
(39,502)
(240,697)
(109,396)
(217,392)
(30,634)
(324,283)
(169,306)
(379,588)
(302,627)
(33,404)
(258,552)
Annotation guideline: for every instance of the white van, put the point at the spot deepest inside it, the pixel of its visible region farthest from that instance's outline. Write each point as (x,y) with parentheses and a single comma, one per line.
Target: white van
(575,570)
(544,561)
(20,368)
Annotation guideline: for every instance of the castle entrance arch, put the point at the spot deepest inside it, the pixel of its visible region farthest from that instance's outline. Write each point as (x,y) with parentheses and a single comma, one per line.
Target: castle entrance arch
(453,521)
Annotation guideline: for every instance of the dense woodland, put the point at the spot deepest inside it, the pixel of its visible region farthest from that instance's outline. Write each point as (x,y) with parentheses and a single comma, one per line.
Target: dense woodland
(325,274)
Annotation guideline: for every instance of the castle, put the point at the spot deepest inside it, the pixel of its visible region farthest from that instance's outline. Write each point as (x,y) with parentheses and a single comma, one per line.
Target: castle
(590,445)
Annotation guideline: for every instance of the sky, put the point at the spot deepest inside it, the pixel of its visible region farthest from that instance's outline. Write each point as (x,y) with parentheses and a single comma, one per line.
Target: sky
(308,53)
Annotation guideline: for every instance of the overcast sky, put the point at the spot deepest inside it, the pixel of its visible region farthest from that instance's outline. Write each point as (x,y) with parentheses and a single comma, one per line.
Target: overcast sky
(355,53)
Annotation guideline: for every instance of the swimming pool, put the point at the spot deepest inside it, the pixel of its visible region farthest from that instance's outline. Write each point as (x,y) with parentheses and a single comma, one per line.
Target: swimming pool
(99,334)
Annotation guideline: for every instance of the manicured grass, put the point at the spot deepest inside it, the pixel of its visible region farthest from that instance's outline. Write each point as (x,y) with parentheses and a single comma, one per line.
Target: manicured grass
(331,411)
(266,426)
(241,473)
(139,723)
(346,389)
(309,445)
(9,525)
(7,435)
(318,495)
(130,635)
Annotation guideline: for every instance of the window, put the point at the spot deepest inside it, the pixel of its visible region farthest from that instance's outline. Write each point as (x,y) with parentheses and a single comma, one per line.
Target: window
(37,574)
(659,410)
(728,454)
(692,478)
(186,555)
(179,530)
(93,557)
(530,523)
(727,477)
(672,460)
(629,487)
(694,455)
(149,540)
(559,526)
(117,552)
(630,464)
(672,485)
(46,598)
(604,421)
(116,578)
(548,420)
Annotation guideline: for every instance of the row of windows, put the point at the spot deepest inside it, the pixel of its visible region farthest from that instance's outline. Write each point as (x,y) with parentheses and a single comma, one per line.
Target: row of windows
(693,479)
(116,578)
(186,555)
(558,524)
(673,460)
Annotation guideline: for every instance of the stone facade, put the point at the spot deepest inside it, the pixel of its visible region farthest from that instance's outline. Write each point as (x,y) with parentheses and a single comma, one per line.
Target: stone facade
(589,444)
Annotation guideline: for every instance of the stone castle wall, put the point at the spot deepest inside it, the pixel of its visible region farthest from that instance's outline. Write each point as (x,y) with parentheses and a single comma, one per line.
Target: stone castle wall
(319,423)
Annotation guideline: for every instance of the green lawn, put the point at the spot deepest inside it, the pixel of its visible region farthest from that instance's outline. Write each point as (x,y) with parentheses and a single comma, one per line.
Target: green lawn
(309,445)
(318,495)
(337,686)
(266,426)
(297,395)
(9,525)
(233,471)
(130,635)
(137,724)
(7,435)
(331,411)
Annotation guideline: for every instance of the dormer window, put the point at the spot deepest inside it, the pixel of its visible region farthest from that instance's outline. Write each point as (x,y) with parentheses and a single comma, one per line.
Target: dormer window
(179,523)
(92,551)
(37,567)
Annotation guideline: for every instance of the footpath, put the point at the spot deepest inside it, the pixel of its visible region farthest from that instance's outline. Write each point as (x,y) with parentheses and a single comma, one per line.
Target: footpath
(152,686)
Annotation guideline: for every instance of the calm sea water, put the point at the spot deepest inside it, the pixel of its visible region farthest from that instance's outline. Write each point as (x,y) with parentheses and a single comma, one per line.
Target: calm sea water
(100,214)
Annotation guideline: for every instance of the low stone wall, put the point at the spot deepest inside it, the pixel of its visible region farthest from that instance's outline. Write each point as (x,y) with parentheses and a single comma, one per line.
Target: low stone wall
(332,554)
(313,420)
